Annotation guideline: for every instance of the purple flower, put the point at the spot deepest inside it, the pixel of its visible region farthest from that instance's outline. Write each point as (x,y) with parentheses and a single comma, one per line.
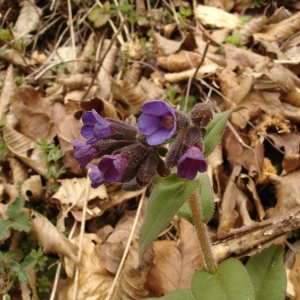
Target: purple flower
(83,153)
(191,162)
(94,128)
(158,122)
(95,176)
(113,167)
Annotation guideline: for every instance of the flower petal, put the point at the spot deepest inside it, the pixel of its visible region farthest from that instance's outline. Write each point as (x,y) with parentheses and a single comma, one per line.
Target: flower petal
(148,124)
(157,108)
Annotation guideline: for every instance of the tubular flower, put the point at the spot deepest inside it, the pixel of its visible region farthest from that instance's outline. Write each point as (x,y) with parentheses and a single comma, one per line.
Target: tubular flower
(94,128)
(158,122)
(95,176)
(112,167)
(191,162)
(83,153)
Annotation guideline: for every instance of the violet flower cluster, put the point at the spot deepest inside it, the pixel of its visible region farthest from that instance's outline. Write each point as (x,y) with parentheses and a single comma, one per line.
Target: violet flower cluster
(134,155)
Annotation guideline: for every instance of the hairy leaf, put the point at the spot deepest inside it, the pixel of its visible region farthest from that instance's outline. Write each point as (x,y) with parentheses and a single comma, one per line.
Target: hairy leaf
(230,282)
(185,294)
(266,270)
(166,199)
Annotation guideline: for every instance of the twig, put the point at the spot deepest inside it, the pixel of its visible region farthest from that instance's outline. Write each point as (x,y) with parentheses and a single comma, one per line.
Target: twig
(241,241)
(82,227)
(191,79)
(127,246)
(72,31)
(102,59)
(59,265)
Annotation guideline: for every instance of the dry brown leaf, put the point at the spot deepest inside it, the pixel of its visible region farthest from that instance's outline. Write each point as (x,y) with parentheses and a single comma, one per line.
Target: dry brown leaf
(294,275)
(273,47)
(168,47)
(32,189)
(203,71)
(94,281)
(133,74)
(253,26)
(174,267)
(286,192)
(280,31)
(247,184)
(11,191)
(18,170)
(25,291)
(217,17)
(86,54)
(163,276)
(221,4)
(74,82)
(32,283)
(237,57)
(180,61)
(72,194)
(50,238)
(22,146)
(104,108)
(191,256)
(28,19)
(292,98)
(241,6)
(151,89)
(130,93)
(112,251)
(9,88)
(31,109)
(131,282)
(234,205)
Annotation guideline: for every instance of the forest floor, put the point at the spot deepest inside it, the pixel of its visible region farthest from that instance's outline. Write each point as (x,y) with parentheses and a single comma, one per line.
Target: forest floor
(61,58)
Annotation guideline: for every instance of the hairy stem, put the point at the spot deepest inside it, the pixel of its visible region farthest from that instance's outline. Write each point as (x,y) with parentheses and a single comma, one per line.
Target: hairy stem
(204,240)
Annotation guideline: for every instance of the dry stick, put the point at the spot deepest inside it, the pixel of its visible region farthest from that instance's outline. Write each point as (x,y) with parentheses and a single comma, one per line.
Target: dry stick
(72,31)
(111,23)
(127,246)
(102,59)
(123,22)
(86,195)
(241,241)
(191,79)
(203,237)
(59,266)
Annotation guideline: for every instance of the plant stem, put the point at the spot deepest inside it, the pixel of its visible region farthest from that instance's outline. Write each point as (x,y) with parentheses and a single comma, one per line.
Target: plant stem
(204,240)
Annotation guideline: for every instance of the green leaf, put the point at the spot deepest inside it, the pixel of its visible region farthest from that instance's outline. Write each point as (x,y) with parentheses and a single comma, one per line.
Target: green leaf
(14,208)
(206,197)
(28,262)
(14,254)
(184,294)
(21,222)
(266,270)
(165,200)
(4,226)
(230,282)
(215,129)
(23,277)
(185,213)
(14,266)
(206,201)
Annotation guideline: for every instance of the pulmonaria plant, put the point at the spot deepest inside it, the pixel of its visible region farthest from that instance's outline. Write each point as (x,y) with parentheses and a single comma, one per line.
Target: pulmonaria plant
(132,155)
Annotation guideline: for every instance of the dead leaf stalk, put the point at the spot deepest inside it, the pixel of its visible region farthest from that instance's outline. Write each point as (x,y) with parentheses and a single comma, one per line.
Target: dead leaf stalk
(127,246)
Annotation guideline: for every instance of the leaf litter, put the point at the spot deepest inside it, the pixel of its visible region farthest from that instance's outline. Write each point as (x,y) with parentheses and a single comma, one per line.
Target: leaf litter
(107,57)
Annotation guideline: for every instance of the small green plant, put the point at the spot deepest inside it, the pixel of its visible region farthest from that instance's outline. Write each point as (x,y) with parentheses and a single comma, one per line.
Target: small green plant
(3,150)
(258,3)
(18,219)
(19,80)
(5,34)
(43,286)
(183,14)
(51,154)
(127,10)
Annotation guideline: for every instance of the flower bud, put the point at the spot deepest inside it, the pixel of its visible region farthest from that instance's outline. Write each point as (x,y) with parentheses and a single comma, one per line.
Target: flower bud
(201,114)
